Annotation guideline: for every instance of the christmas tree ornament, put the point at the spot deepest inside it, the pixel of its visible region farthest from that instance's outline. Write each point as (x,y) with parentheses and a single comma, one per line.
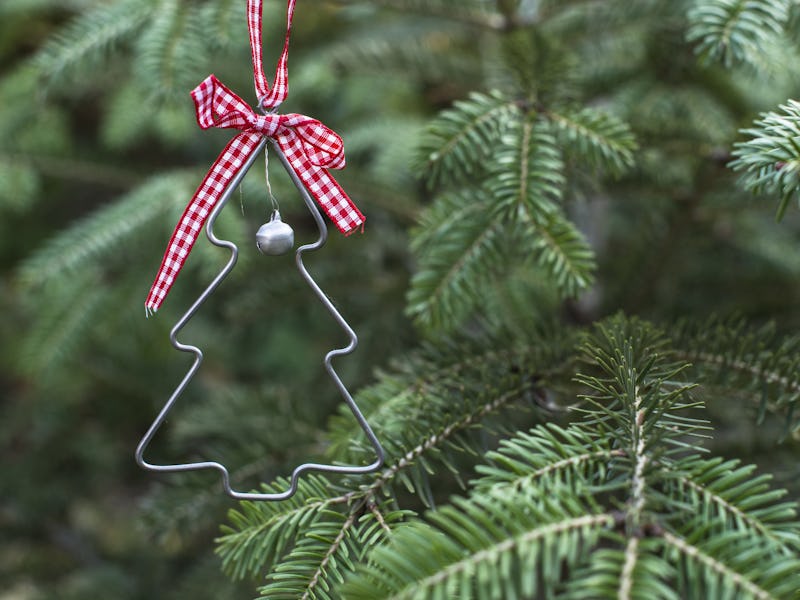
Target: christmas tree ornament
(307,149)
(276,237)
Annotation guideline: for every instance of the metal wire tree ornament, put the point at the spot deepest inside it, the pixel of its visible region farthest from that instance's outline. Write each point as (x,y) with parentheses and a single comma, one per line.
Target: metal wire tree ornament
(306,148)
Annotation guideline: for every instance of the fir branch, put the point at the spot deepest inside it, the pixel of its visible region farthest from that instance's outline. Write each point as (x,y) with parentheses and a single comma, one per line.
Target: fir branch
(727,568)
(546,456)
(458,141)
(171,51)
(560,249)
(433,373)
(471,539)
(527,170)
(470,563)
(741,501)
(527,183)
(454,398)
(334,547)
(54,336)
(329,550)
(632,567)
(437,440)
(99,233)
(770,159)
(733,31)
(408,48)
(304,572)
(631,357)
(731,354)
(223,20)
(91,37)
(261,532)
(536,67)
(547,498)
(596,137)
(626,577)
(453,272)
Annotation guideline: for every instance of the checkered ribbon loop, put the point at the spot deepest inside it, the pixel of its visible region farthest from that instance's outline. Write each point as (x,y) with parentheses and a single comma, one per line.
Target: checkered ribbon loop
(218,106)
(310,148)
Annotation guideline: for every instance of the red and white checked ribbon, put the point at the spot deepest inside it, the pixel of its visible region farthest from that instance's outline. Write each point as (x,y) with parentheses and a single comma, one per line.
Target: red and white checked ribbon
(310,147)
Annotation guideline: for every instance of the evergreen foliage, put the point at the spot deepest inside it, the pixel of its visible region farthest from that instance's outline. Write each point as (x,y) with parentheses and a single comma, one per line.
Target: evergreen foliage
(734,31)
(615,501)
(754,361)
(88,39)
(770,159)
(509,152)
(528,168)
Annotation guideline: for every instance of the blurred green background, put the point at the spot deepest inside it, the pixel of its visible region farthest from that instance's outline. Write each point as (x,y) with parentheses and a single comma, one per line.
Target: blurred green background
(99,153)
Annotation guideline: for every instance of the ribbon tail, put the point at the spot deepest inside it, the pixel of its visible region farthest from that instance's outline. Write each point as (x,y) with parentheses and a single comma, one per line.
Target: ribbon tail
(330,196)
(230,161)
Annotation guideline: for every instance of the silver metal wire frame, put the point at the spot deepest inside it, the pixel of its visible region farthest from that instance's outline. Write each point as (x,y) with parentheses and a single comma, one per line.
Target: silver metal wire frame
(198,354)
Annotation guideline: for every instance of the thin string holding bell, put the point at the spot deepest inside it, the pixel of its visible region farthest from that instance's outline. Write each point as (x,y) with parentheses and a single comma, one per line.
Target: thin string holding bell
(275,206)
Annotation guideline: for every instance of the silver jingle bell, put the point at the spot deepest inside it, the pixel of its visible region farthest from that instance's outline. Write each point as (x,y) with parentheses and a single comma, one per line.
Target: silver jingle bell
(276,237)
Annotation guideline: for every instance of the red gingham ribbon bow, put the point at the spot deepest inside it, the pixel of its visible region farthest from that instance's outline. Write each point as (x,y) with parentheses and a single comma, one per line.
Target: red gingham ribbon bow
(310,147)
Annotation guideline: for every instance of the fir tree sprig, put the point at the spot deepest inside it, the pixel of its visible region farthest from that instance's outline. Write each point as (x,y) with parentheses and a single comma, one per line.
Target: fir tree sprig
(329,550)
(62,326)
(513,212)
(171,51)
(770,158)
(458,142)
(466,243)
(98,234)
(731,355)
(473,541)
(91,37)
(428,409)
(499,159)
(597,138)
(734,31)
(654,519)
(261,533)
